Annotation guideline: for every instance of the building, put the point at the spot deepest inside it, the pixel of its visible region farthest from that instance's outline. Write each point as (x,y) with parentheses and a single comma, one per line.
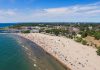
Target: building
(34,31)
(73,29)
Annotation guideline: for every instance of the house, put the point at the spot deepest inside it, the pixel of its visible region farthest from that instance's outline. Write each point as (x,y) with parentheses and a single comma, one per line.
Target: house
(34,31)
(73,29)
(90,27)
(78,35)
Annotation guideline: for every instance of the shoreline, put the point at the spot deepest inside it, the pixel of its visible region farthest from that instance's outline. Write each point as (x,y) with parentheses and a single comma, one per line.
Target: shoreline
(66,67)
(62,61)
(29,49)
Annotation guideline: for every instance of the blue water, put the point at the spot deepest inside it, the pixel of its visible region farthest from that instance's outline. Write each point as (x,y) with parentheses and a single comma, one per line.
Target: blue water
(6,24)
(13,56)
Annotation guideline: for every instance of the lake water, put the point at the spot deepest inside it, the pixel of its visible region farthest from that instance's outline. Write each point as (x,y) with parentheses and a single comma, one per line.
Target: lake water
(17,53)
(6,24)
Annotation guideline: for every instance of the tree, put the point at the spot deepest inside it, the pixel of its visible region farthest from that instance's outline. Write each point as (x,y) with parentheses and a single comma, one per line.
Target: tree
(48,31)
(27,31)
(97,35)
(84,42)
(98,51)
(84,34)
(56,32)
(78,39)
(91,33)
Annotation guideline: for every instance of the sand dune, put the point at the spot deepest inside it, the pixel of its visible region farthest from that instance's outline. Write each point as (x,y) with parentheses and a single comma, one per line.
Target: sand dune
(72,54)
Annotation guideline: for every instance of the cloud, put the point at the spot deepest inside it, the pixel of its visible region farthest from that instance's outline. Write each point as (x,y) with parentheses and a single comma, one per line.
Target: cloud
(77,9)
(94,11)
(89,12)
(7,12)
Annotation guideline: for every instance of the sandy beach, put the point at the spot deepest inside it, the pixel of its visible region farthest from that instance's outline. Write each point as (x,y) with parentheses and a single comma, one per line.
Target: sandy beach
(72,54)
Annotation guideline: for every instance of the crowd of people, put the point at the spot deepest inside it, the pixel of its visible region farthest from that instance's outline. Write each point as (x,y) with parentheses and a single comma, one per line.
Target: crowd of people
(72,54)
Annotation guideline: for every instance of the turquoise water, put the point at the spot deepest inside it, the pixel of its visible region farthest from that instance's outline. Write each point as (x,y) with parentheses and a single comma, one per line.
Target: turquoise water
(11,55)
(6,24)
(17,53)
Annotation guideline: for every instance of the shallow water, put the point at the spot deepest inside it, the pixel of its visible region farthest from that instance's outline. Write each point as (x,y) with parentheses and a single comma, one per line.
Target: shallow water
(11,55)
(17,53)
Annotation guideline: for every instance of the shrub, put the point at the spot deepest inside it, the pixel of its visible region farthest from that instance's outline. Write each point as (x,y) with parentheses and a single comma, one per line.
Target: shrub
(84,42)
(56,32)
(27,31)
(48,31)
(70,36)
(78,39)
(98,51)
(84,34)
(97,35)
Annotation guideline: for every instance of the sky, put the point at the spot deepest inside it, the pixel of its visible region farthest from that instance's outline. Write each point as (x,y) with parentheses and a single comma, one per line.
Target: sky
(49,11)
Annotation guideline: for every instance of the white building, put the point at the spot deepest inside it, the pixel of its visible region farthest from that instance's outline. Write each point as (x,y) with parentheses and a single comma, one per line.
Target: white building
(34,31)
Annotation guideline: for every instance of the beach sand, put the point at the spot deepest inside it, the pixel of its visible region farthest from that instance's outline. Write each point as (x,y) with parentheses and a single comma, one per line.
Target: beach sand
(72,54)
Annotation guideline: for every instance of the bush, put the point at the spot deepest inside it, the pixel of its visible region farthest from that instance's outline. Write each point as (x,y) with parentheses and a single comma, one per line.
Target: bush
(78,39)
(84,34)
(97,35)
(54,31)
(27,31)
(70,36)
(41,30)
(98,51)
(84,42)
(48,31)
(91,33)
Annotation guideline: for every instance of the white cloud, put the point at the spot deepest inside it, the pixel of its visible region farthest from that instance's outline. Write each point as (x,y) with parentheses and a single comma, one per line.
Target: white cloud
(80,9)
(7,12)
(90,12)
(10,13)
(56,10)
(94,11)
